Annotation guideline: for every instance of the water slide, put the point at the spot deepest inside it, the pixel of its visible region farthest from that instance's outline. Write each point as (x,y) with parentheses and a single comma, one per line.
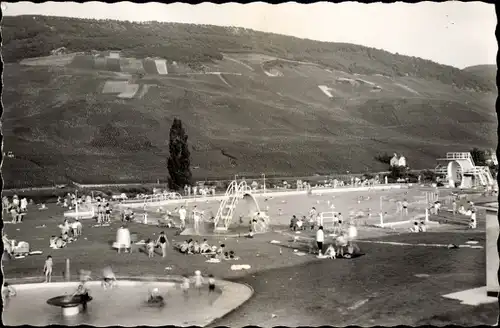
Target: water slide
(161,66)
(129,93)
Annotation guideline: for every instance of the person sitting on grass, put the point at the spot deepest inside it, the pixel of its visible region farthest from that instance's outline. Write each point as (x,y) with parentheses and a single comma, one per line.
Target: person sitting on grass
(52,242)
(191,246)
(57,242)
(349,251)
(66,238)
(415,227)
(220,251)
(184,247)
(473,221)
(205,247)
(331,253)
(196,248)
(423,226)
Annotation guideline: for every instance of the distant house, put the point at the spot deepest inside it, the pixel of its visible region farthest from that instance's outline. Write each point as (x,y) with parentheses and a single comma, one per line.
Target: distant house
(402,161)
(398,160)
(492,157)
(59,51)
(395,160)
(114,54)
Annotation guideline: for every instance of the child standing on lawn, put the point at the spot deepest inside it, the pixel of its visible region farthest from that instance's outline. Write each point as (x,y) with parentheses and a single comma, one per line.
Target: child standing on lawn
(150,246)
(47,269)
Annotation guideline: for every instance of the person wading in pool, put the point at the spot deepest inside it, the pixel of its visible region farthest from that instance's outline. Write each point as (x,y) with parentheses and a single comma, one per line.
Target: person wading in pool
(83,292)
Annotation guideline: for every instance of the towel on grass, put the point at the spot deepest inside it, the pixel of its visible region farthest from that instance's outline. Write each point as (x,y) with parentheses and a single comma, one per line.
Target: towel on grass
(237,267)
(213,261)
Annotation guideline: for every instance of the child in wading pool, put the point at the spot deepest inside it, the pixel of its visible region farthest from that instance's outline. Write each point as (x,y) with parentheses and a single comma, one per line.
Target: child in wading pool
(211,283)
(198,280)
(8,290)
(108,278)
(47,269)
(185,286)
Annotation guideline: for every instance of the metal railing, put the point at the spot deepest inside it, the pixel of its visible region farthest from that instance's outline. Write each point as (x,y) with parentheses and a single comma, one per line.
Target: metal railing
(456,155)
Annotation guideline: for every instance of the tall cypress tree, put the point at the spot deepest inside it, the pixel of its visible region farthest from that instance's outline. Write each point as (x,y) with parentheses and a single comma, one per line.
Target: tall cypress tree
(178,163)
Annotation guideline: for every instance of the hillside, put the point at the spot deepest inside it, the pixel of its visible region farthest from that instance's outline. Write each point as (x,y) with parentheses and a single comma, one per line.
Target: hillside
(487,72)
(251,102)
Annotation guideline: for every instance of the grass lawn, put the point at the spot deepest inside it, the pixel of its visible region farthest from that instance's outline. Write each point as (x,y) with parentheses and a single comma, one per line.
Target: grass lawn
(378,288)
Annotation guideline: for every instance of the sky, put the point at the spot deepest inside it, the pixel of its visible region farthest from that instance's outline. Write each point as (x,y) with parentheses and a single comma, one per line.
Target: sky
(452,33)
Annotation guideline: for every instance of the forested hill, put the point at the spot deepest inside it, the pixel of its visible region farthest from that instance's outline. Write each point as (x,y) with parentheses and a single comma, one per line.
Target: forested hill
(35,36)
(487,72)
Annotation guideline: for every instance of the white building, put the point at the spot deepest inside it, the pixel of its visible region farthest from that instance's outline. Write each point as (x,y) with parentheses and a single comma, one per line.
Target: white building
(395,160)
(114,54)
(402,161)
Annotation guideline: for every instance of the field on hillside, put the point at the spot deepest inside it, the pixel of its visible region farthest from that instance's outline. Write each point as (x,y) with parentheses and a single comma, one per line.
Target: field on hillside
(284,110)
(284,125)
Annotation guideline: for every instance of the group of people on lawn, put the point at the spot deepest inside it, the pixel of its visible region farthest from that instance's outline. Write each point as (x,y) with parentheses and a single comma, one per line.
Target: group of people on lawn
(17,208)
(315,220)
(69,232)
(342,245)
(193,247)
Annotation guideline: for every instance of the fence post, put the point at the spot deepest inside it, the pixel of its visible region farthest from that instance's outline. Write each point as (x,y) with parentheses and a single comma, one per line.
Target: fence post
(67,274)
